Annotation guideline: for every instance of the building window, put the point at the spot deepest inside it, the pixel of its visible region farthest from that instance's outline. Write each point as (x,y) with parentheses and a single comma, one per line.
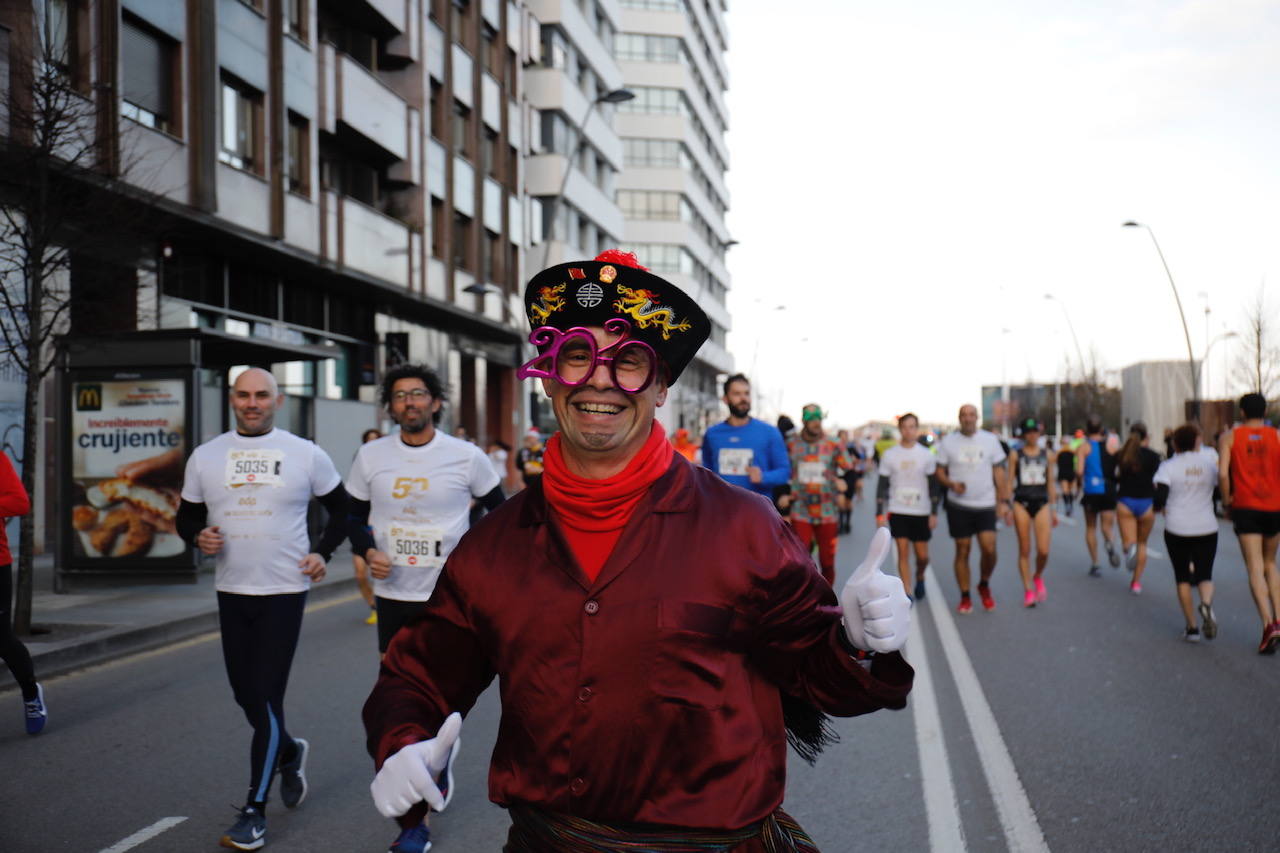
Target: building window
(489,160)
(438,223)
(462,258)
(460,14)
(298,168)
(296,14)
(649,204)
(62,31)
(640,47)
(653,99)
(513,168)
(437,110)
(241,126)
(255,5)
(461,129)
(147,76)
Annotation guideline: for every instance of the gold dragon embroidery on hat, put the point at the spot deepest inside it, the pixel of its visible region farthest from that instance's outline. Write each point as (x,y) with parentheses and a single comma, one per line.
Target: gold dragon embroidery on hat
(639,305)
(549,302)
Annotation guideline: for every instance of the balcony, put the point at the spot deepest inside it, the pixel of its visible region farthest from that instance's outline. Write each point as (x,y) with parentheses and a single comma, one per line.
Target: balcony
(362,102)
(361,238)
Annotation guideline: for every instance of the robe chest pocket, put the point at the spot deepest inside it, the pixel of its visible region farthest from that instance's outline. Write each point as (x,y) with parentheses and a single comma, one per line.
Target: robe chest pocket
(693,654)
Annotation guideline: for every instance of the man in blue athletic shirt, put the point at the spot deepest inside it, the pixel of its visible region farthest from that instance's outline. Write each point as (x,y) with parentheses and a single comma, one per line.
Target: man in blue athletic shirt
(742,450)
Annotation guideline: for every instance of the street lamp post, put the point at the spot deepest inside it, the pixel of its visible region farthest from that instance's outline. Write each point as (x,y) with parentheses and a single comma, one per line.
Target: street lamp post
(617,96)
(1072,328)
(1191,358)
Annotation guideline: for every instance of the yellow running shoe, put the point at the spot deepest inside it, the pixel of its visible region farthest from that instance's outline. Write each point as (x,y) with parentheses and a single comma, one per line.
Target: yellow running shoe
(373,617)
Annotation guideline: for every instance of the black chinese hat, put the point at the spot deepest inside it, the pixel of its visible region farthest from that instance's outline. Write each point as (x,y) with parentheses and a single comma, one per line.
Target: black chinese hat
(615,286)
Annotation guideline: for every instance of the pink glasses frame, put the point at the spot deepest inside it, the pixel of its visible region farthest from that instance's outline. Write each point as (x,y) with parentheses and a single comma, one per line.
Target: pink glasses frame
(554,339)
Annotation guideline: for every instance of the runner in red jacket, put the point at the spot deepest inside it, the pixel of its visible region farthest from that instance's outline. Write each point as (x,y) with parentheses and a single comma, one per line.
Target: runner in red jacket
(14,502)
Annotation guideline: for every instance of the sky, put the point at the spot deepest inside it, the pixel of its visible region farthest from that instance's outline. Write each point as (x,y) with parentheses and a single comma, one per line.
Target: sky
(910,179)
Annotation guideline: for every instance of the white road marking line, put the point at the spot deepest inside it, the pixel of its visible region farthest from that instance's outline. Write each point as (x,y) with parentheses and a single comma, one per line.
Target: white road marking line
(144,835)
(1021,829)
(946,832)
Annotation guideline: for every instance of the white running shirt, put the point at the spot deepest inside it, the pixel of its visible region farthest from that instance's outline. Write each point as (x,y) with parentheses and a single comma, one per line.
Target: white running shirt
(1190,477)
(420,503)
(256,489)
(969,460)
(908,470)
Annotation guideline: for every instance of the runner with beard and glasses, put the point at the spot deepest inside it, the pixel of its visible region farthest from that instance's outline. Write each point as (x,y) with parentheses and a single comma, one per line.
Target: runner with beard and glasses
(818,491)
(413,490)
(742,450)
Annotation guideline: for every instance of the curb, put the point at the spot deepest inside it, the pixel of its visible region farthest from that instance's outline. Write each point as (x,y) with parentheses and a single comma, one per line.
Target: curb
(123,640)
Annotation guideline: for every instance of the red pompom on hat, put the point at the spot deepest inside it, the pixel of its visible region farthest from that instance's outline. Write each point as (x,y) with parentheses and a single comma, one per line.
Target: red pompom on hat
(617,256)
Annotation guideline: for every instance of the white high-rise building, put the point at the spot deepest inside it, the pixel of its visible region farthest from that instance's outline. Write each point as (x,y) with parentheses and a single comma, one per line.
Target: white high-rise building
(672,189)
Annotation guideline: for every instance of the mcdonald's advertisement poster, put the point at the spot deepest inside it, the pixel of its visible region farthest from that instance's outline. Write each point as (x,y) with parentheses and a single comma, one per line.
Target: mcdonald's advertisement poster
(128,444)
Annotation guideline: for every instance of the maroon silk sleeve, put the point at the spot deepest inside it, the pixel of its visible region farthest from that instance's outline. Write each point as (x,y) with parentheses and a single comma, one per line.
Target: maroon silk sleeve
(798,640)
(434,666)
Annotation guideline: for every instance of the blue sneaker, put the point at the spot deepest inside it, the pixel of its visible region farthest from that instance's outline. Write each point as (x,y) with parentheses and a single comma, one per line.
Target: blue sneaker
(293,776)
(37,713)
(415,839)
(919,590)
(248,833)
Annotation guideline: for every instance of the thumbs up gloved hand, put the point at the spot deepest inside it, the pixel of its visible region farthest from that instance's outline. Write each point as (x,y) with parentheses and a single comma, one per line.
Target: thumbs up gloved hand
(413,774)
(877,612)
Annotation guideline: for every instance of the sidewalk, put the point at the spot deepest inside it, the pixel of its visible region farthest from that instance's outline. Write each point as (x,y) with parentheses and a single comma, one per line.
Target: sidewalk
(93,625)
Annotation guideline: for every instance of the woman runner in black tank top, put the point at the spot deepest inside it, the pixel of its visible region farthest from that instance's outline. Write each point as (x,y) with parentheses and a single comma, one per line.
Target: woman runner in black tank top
(1032,469)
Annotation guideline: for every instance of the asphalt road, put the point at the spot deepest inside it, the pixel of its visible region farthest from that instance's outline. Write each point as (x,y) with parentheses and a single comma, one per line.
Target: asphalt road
(1102,731)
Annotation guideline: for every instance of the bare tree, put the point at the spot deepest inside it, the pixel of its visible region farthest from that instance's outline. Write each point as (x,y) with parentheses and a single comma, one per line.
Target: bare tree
(61,192)
(1257,369)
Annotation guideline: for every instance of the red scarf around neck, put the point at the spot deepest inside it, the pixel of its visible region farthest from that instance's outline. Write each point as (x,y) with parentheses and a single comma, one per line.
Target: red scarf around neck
(592,513)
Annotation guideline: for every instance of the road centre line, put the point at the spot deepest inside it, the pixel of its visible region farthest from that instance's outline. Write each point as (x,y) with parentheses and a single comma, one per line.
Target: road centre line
(144,835)
(946,832)
(1021,829)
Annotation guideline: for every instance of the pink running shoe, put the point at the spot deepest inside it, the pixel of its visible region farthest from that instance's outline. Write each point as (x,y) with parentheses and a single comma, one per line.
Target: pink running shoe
(1135,588)
(1029,599)
(1041,595)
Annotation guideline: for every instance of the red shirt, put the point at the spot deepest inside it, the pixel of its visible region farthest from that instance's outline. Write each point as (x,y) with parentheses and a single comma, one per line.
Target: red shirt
(13,502)
(651,693)
(1255,468)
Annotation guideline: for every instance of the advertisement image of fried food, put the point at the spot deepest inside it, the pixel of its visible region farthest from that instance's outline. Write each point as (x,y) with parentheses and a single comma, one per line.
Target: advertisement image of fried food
(138,535)
(157,501)
(84,517)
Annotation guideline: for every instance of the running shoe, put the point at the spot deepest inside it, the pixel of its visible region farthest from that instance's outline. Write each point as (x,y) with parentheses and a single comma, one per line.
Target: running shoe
(372,618)
(1135,588)
(249,831)
(919,590)
(1094,571)
(984,592)
(415,839)
(293,776)
(1113,556)
(1029,599)
(37,713)
(1131,556)
(965,606)
(1209,624)
(1270,639)
(1041,593)
(1192,635)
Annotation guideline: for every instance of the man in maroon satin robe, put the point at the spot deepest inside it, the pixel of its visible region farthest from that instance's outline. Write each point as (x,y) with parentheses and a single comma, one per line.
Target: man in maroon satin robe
(643,617)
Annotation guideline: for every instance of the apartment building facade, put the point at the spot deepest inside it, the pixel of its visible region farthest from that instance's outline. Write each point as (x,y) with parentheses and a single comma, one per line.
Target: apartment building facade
(672,192)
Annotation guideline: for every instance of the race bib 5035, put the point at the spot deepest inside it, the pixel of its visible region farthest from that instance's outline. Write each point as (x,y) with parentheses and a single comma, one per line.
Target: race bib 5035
(259,467)
(734,460)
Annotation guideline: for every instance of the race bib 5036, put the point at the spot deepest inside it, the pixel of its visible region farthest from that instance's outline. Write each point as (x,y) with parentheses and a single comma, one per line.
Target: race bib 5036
(413,546)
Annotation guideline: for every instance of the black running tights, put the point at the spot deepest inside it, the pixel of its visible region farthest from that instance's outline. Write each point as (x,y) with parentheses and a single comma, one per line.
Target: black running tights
(259,636)
(12,650)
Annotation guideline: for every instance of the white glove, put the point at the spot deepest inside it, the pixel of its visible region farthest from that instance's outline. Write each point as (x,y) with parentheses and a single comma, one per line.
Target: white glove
(877,612)
(411,775)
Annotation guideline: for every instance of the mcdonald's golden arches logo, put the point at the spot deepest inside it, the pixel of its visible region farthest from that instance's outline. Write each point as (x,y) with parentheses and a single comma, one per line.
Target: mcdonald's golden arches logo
(88,398)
